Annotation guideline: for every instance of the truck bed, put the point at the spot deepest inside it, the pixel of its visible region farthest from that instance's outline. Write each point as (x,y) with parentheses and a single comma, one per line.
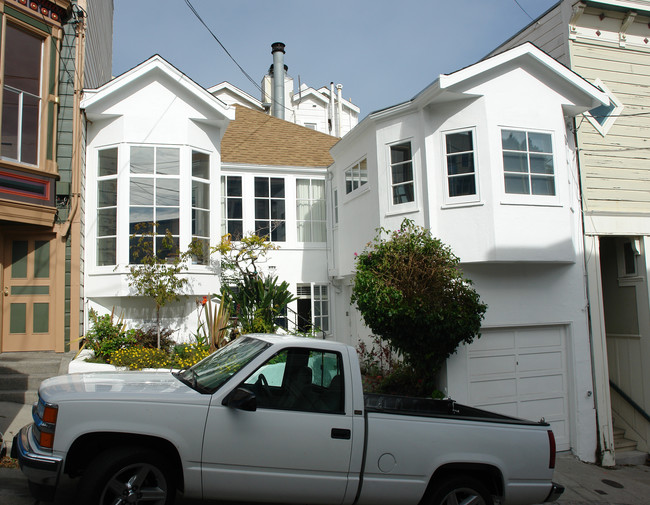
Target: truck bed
(427,407)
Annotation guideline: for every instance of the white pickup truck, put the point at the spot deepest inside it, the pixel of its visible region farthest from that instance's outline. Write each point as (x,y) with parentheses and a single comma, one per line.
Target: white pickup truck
(279,419)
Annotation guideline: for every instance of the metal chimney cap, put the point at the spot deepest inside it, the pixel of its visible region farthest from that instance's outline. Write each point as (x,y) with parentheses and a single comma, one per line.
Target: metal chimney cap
(277,46)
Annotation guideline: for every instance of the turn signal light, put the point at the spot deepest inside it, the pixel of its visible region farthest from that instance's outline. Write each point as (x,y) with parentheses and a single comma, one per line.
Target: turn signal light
(50,413)
(46,440)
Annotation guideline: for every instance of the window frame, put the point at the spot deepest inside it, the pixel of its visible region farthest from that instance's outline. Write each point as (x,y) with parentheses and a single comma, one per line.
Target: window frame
(273,229)
(46,129)
(411,204)
(312,202)
(204,240)
(349,176)
(462,199)
(99,179)
(530,198)
(612,115)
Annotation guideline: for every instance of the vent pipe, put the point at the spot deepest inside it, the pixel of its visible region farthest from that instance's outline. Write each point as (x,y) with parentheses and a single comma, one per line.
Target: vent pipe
(277,50)
(339,108)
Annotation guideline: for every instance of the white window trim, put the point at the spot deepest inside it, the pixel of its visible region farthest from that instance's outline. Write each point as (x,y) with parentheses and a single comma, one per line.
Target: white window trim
(400,208)
(362,188)
(613,116)
(452,201)
(530,200)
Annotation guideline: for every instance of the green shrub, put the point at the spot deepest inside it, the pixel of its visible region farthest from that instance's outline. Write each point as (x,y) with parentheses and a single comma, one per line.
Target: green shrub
(106,336)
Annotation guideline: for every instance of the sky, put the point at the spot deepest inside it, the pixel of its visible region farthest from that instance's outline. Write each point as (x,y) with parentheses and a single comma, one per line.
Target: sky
(383,52)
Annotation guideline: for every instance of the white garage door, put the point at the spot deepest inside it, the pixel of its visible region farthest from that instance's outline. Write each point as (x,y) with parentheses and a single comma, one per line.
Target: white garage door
(522,372)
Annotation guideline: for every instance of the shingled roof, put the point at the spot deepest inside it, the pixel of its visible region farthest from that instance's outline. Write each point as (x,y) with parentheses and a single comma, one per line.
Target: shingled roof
(259,139)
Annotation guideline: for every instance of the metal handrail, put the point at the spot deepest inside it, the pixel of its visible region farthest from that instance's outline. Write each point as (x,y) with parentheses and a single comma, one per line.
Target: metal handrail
(629,400)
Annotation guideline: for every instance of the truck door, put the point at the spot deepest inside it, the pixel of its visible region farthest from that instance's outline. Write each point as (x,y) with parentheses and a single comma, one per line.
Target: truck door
(295,446)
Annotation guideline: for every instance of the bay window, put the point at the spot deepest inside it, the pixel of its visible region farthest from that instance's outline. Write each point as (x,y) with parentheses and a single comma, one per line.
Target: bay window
(21,95)
(201,204)
(107,207)
(528,162)
(401,168)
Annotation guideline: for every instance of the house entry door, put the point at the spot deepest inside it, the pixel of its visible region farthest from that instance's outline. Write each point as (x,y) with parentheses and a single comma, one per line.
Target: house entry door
(27,294)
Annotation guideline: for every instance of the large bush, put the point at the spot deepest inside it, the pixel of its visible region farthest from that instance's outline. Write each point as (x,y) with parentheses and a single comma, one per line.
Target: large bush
(411,292)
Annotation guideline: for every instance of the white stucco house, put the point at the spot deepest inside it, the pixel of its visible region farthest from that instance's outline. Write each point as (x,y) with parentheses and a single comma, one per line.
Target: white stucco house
(163,149)
(485,158)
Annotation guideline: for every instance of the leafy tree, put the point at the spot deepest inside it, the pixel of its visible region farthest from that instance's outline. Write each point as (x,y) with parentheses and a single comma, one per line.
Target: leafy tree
(156,275)
(411,292)
(256,299)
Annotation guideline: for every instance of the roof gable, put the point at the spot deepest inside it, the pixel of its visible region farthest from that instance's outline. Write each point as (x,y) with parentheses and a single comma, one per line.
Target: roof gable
(159,69)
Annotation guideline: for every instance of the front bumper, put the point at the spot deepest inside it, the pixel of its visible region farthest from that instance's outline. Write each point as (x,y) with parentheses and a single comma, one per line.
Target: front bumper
(556,492)
(42,470)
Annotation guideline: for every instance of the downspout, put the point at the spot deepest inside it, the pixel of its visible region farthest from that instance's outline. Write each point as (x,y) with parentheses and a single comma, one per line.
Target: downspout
(339,109)
(330,110)
(277,50)
(75,186)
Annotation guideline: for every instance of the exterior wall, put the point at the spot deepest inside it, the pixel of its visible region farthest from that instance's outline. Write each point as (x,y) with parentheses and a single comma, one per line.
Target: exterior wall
(99,42)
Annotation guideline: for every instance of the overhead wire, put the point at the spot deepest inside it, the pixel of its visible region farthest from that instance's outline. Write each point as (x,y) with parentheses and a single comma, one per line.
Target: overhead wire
(257,86)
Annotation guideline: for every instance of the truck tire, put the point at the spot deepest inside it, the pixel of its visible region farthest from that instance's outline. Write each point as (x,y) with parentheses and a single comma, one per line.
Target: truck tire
(135,474)
(461,489)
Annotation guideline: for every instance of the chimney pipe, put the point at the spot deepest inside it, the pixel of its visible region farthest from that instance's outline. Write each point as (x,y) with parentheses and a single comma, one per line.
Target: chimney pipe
(277,50)
(339,108)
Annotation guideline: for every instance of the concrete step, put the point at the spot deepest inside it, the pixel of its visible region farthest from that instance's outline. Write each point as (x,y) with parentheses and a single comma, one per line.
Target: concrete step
(623,445)
(19,396)
(632,458)
(21,373)
(9,381)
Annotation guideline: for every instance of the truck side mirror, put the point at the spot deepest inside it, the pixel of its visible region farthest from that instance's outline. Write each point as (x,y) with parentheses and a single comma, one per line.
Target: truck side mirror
(242,399)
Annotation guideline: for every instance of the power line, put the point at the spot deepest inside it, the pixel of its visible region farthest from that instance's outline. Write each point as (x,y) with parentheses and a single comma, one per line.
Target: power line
(531,17)
(257,86)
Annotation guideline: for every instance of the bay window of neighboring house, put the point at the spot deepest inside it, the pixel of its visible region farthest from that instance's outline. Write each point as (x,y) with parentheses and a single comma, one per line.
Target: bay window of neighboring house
(201,205)
(270,215)
(528,163)
(154,202)
(461,166)
(310,210)
(107,207)
(401,169)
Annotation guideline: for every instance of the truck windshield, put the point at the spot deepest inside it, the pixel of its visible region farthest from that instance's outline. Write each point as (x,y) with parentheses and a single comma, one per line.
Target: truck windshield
(211,373)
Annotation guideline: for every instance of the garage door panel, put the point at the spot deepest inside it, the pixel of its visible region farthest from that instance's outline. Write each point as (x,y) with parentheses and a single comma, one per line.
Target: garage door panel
(490,365)
(550,385)
(543,336)
(491,341)
(543,361)
(493,391)
(522,372)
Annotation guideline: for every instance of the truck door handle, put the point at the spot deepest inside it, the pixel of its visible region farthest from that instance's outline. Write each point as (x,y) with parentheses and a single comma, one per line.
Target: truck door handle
(341,434)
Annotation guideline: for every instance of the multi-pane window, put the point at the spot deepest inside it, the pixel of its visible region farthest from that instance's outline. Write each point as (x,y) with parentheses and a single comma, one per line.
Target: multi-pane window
(401,168)
(313,307)
(21,97)
(461,167)
(528,162)
(154,202)
(270,216)
(201,204)
(603,117)
(232,207)
(107,207)
(356,176)
(310,210)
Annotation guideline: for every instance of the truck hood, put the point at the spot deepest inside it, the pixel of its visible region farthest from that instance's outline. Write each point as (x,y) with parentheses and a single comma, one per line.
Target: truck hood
(127,386)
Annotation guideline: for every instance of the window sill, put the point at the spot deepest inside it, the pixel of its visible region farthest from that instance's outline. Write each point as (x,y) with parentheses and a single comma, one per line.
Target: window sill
(458,205)
(533,203)
(353,195)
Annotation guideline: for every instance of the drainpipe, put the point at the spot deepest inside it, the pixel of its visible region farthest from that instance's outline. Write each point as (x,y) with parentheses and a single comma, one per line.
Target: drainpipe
(339,109)
(277,50)
(330,111)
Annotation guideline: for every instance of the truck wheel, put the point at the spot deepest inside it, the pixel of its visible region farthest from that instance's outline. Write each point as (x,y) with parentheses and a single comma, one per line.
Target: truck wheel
(461,490)
(127,476)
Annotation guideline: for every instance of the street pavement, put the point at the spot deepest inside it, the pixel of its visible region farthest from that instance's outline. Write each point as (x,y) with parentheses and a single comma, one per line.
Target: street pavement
(585,484)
